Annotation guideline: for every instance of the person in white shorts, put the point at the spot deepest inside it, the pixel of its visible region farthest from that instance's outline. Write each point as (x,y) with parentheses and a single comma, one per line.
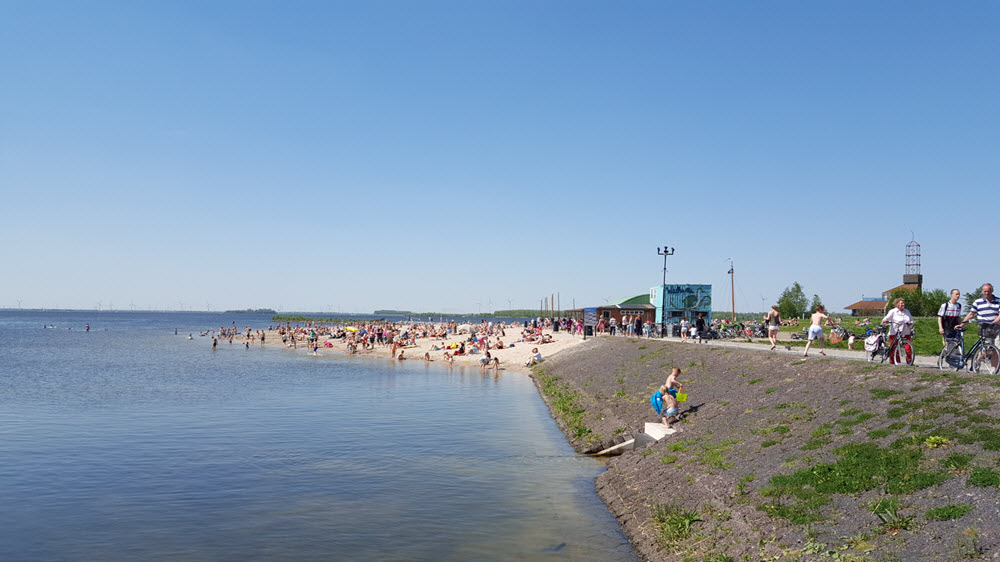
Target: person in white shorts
(773,319)
(816,330)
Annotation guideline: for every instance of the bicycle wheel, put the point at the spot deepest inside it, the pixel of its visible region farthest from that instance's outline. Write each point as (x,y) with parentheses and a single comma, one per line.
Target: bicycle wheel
(987,360)
(896,353)
(904,348)
(884,351)
(951,357)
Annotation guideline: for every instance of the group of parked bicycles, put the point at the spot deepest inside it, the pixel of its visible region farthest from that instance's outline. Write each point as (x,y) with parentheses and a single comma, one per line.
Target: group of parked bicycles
(735,331)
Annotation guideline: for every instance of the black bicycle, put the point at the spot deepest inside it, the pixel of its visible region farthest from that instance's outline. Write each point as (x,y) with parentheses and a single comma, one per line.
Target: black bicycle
(983,358)
(878,347)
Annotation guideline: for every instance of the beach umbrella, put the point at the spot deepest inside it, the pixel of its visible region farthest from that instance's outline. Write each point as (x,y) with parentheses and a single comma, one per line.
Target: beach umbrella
(465,328)
(351,329)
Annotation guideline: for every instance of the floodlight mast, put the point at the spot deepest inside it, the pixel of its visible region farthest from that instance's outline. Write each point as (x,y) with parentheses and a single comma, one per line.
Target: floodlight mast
(664,251)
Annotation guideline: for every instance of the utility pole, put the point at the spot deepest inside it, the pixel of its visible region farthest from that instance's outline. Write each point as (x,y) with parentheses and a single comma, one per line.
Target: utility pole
(732,286)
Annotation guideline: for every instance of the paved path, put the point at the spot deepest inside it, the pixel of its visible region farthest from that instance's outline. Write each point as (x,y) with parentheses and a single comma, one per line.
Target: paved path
(764,346)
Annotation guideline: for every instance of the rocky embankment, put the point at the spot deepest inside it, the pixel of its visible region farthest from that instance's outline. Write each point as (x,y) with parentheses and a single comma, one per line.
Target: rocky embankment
(780,457)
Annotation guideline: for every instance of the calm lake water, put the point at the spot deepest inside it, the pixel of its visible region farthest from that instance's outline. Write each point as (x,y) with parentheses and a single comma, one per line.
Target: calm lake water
(134,443)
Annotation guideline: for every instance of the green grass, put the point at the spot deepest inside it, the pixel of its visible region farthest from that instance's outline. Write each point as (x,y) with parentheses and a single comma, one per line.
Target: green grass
(957,461)
(814,444)
(862,417)
(713,454)
(879,433)
(564,402)
(822,430)
(948,512)
(882,393)
(799,496)
(776,429)
(983,477)
(755,381)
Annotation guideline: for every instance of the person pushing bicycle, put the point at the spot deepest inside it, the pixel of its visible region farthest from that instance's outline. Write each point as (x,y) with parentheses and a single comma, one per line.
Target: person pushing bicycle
(900,326)
(949,315)
(987,313)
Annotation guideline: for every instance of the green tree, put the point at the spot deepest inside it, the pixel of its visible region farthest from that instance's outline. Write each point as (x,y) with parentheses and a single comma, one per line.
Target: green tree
(974,296)
(793,301)
(914,300)
(816,302)
(933,300)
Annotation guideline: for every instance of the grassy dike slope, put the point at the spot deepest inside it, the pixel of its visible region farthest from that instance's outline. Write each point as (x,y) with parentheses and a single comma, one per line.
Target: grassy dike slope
(785,458)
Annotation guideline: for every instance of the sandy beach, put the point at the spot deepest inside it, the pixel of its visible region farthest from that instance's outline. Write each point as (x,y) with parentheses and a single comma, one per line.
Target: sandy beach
(511,358)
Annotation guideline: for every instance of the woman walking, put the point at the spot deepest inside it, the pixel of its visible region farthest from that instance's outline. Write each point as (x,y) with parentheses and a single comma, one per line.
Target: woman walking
(773,319)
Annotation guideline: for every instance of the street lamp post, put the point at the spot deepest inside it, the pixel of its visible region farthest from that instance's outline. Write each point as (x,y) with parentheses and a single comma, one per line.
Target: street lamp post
(664,251)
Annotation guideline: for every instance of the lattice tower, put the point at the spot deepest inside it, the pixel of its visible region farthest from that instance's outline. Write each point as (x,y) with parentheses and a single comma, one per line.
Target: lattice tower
(913,258)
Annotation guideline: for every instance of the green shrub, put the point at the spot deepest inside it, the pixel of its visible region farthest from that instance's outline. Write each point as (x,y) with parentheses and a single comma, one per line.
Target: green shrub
(674,522)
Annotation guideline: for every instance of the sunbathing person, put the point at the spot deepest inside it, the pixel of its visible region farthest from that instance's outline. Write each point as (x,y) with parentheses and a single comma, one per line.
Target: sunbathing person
(534,359)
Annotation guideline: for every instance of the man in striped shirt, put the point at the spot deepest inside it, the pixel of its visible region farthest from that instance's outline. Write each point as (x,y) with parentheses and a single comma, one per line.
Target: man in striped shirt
(987,311)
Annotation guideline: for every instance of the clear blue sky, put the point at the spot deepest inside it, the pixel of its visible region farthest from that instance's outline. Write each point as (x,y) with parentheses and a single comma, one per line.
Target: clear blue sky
(445,155)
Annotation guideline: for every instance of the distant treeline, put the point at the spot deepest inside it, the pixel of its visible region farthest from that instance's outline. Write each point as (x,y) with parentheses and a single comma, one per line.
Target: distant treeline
(520,313)
(253,311)
(515,313)
(297,318)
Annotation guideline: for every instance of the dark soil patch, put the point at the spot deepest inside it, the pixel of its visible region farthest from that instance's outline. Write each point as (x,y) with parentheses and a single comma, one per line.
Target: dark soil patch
(779,458)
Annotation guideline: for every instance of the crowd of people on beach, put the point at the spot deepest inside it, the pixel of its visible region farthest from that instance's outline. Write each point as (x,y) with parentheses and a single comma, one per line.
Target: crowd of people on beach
(450,338)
